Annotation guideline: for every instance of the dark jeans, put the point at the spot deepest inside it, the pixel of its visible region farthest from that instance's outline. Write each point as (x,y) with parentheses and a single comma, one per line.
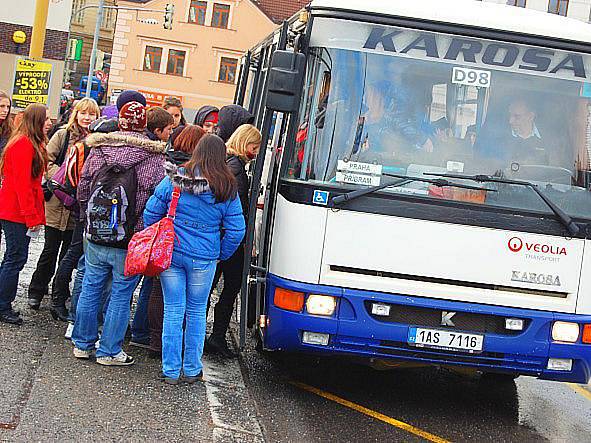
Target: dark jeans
(15,257)
(54,239)
(156,315)
(231,269)
(60,291)
(140,328)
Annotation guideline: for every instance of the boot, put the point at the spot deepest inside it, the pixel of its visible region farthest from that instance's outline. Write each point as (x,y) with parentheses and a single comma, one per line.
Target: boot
(34,302)
(59,313)
(216,344)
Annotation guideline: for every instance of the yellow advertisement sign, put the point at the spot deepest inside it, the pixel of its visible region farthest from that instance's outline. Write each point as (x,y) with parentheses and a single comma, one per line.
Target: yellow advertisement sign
(31,82)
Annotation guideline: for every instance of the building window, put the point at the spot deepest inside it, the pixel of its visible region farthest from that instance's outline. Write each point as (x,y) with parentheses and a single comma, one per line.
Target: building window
(221,15)
(79,17)
(152,59)
(197,12)
(176,62)
(518,3)
(559,7)
(108,19)
(228,70)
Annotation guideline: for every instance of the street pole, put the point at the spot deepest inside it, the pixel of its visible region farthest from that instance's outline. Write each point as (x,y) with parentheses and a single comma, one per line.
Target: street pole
(97,30)
(39,25)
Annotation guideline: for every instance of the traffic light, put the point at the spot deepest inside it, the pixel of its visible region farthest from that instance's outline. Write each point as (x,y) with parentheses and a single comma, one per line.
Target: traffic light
(168,13)
(99,61)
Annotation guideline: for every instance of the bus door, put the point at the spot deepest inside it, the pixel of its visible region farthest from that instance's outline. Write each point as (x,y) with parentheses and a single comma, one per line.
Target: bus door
(253,272)
(263,190)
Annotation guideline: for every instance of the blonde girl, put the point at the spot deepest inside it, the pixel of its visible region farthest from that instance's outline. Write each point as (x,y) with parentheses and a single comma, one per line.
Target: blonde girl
(59,222)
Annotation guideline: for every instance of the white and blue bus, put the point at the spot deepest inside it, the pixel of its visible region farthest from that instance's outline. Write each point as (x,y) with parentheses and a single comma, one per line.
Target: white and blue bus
(424,197)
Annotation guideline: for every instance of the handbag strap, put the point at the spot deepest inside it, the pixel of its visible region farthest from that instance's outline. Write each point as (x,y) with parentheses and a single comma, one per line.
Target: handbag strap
(176,194)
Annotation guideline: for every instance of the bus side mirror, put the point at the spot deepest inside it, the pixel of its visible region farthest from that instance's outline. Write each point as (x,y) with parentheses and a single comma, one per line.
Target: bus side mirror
(285,81)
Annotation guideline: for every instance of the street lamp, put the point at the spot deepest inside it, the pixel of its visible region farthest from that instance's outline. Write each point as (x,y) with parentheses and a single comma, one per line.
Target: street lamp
(18,37)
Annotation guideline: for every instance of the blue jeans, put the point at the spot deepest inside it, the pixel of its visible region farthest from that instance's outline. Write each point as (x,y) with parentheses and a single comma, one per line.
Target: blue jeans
(140,329)
(185,286)
(77,289)
(101,263)
(15,258)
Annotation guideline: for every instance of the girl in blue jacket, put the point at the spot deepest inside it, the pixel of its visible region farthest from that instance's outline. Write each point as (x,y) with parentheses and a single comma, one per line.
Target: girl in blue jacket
(209,226)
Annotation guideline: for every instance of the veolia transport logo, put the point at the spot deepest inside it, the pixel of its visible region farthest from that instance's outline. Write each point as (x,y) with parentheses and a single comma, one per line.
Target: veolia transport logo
(515,244)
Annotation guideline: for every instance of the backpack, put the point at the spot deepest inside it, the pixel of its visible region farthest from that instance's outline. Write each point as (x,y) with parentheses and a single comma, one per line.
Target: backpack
(110,214)
(64,182)
(74,164)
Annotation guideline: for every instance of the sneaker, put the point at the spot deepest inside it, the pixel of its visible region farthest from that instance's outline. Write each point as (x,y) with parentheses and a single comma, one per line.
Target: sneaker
(121,359)
(69,330)
(97,344)
(193,379)
(145,344)
(80,353)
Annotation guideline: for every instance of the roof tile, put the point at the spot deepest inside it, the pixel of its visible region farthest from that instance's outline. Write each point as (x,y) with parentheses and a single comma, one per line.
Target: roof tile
(279,10)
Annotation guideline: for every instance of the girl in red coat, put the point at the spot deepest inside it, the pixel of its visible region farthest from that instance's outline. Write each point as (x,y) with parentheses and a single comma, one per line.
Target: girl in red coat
(22,213)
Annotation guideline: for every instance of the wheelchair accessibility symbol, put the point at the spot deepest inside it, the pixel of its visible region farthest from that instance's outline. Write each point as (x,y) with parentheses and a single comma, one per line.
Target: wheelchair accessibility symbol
(320,197)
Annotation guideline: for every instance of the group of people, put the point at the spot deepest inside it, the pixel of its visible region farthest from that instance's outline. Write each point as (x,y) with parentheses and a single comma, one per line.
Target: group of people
(95,183)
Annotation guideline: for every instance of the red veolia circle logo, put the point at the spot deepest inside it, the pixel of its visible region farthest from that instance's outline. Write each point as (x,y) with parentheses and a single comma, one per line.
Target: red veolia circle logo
(515,244)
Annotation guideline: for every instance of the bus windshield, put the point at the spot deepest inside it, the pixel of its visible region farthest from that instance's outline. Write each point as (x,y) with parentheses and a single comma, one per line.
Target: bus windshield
(417,103)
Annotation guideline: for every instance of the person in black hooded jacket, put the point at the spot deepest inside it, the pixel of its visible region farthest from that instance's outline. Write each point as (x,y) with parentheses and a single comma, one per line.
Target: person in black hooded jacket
(242,147)
(207,117)
(230,118)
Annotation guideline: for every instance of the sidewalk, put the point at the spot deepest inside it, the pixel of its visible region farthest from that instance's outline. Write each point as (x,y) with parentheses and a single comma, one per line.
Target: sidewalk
(48,395)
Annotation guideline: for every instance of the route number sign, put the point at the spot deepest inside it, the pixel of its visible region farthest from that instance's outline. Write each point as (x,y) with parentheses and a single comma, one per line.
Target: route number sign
(31,82)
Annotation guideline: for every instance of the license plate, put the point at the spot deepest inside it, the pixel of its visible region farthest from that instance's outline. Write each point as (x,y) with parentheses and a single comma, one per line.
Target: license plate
(442,339)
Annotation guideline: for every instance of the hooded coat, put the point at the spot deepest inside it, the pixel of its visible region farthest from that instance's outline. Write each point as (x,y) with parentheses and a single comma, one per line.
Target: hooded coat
(202,114)
(230,118)
(205,229)
(128,149)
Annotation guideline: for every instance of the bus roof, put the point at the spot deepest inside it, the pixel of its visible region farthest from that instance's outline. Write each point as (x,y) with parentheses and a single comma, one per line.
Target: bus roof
(471,13)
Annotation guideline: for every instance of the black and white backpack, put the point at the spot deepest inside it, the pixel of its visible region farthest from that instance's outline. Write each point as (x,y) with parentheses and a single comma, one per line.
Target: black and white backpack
(110,214)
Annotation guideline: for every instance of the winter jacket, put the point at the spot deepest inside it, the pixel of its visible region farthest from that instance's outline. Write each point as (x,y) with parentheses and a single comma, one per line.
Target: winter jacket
(238,168)
(230,118)
(202,114)
(56,214)
(205,229)
(105,125)
(21,194)
(128,149)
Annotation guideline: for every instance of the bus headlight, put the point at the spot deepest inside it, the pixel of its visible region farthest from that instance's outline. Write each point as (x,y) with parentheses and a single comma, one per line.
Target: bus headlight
(321,304)
(565,331)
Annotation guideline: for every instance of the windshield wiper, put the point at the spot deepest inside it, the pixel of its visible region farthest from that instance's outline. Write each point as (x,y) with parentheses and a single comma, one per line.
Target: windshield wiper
(404,179)
(564,218)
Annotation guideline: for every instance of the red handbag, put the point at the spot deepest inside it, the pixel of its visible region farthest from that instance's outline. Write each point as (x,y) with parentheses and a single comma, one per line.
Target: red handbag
(150,251)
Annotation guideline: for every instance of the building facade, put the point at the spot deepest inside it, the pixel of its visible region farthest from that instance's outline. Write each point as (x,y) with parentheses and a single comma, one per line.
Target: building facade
(82,28)
(578,9)
(19,16)
(197,60)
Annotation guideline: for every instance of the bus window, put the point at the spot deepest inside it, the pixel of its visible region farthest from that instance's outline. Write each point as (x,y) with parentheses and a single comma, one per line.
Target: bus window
(414,115)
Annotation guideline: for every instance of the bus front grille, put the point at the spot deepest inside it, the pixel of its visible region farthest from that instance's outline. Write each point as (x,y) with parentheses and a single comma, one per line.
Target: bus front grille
(463,321)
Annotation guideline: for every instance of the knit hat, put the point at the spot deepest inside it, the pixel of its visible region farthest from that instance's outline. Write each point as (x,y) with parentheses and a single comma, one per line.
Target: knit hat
(212,117)
(132,117)
(130,95)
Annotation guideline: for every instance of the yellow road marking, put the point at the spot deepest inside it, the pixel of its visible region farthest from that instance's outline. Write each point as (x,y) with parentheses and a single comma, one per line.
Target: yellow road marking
(581,390)
(391,421)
